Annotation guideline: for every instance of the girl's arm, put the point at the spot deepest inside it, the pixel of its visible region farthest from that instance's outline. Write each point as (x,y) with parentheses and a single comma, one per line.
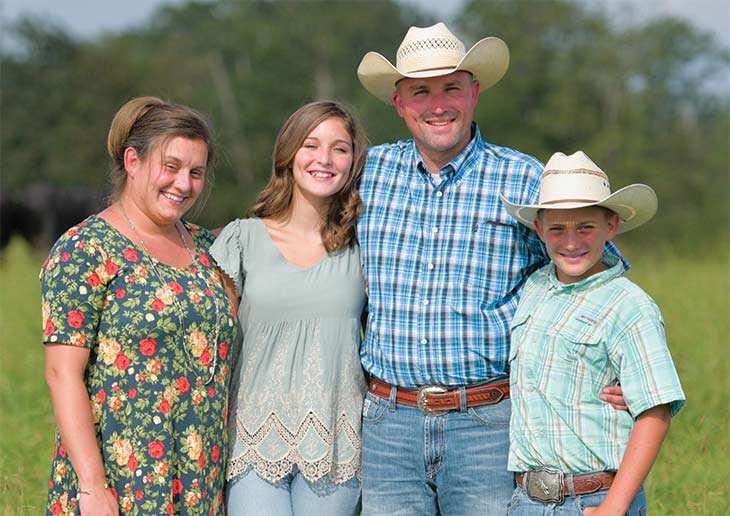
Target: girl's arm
(641,452)
(65,367)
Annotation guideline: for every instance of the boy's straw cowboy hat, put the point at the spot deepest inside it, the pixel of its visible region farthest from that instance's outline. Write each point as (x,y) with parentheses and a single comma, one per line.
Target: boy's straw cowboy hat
(430,52)
(576,182)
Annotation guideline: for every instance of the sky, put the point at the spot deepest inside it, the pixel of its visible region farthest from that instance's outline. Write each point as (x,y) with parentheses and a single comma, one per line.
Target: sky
(89,18)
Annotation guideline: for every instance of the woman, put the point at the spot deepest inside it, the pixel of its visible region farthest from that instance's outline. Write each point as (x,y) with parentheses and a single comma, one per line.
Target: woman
(138,329)
(295,267)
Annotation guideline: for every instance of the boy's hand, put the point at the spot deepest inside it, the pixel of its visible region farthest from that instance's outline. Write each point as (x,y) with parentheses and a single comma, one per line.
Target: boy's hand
(613,395)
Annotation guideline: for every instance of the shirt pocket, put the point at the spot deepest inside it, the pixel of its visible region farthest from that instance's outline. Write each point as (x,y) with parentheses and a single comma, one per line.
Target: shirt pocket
(580,359)
(489,261)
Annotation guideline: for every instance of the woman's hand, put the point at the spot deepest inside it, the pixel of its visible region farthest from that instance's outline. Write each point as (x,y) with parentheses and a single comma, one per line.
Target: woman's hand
(98,502)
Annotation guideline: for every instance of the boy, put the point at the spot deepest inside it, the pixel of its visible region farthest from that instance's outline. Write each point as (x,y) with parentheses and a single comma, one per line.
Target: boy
(579,326)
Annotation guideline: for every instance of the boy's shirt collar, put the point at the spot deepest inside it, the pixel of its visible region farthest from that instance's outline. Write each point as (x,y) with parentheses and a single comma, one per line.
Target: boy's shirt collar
(615,269)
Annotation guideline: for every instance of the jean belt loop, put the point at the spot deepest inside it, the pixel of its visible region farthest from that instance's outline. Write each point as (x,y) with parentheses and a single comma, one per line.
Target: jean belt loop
(462,399)
(391,400)
(571,487)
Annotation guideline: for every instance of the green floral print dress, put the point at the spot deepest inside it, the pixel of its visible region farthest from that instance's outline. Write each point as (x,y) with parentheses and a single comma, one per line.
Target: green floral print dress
(158,411)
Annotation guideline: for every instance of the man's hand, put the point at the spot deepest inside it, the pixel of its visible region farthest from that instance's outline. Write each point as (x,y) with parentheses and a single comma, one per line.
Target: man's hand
(613,395)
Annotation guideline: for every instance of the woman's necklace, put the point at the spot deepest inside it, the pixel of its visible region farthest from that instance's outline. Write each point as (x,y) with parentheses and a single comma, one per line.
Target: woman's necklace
(180,316)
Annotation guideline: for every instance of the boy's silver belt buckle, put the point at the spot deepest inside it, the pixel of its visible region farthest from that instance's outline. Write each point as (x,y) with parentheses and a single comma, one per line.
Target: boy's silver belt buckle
(545,485)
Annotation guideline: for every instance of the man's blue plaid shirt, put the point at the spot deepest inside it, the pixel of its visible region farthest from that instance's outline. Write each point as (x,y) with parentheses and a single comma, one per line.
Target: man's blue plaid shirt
(444,262)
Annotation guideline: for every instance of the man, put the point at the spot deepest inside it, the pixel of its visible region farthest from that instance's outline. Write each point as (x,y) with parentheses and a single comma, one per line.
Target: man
(444,264)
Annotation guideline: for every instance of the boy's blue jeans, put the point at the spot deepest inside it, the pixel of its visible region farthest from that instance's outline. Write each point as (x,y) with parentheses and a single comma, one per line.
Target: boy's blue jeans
(454,464)
(522,505)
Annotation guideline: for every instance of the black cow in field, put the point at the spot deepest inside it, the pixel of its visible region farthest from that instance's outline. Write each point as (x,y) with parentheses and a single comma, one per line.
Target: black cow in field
(42,212)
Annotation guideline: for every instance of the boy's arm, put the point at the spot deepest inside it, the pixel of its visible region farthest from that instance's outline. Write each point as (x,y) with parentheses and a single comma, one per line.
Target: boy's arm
(641,451)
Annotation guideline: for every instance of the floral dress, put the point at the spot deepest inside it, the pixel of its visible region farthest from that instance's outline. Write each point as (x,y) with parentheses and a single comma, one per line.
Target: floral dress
(158,401)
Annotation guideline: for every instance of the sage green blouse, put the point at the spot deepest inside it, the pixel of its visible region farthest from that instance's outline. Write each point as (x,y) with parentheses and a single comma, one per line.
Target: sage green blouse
(301,386)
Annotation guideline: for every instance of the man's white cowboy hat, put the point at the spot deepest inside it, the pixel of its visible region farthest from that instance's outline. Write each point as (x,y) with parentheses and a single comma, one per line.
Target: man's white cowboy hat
(430,52)
(576,182)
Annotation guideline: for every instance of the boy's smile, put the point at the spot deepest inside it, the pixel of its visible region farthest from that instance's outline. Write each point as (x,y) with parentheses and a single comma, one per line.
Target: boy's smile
(575,239)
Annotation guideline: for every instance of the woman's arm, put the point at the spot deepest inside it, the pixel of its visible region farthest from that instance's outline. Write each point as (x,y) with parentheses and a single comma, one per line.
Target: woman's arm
(65,367)
(230,289)
(641,452)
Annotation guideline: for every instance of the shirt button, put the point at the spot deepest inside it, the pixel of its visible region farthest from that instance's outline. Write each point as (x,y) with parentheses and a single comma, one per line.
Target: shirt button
(424,341)
(439,193)
(430,266)
(425,301)
(435,230)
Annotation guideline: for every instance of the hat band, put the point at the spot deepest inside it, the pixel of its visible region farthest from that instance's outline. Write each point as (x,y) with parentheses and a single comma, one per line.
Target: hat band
(561,201)
(576,171)
(450,67)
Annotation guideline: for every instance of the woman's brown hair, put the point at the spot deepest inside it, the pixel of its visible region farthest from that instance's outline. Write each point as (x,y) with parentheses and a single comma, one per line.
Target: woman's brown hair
(144,123)
(274,201)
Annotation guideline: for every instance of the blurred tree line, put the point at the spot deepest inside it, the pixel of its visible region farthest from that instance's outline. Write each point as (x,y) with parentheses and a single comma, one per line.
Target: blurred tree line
(640,101)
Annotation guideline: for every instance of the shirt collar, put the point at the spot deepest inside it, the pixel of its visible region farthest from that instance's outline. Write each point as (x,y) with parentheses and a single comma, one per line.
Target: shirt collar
(459,167)
(615,268)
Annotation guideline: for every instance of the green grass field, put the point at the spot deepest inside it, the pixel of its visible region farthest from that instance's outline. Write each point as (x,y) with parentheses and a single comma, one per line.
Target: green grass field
(692,475)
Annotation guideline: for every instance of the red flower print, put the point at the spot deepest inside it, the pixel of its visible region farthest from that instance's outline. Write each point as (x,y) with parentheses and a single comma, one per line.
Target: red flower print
(215,453)
(75,319)
(193,270)
(62,451)
(223,350)
(121,362)
(156,449)
(183,385)
(177,487)
(208,292)
(72,231)
(169,508)
(93,280)
(50,484)
(158,305)
(201,461)
(148,347)
(119,293)
(114,493)
(204,260)
(130,255)
(132,393)
(101,396)
(205,358)
(56,508)
(138,495)
(65,257)
(50,328)
(165,407)
(211,392)
(176,287)
(132,463)
(111,268)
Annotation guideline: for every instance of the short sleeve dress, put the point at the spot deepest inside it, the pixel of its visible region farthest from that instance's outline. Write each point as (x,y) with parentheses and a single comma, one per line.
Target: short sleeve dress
(158,410)
(301,388)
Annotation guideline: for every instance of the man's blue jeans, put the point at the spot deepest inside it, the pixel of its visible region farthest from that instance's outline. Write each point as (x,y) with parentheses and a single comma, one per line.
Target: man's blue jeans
(522,505)
(454,464)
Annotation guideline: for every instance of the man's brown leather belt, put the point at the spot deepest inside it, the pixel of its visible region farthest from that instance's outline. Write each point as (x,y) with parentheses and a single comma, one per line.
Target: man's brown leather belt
(550,486)
(436,400)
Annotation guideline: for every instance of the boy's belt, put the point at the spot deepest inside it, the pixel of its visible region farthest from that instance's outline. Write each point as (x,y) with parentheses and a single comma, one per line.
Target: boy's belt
(435,400)
(549,486)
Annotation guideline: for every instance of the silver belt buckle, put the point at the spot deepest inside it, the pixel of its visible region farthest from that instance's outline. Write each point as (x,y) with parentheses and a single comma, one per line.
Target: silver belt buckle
(545,485)
(425,391)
